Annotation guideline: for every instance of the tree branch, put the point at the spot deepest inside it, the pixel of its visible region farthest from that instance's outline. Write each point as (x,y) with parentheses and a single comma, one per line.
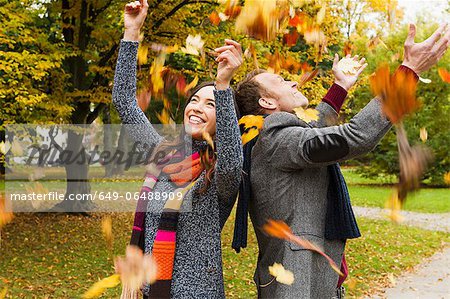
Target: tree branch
(94,114)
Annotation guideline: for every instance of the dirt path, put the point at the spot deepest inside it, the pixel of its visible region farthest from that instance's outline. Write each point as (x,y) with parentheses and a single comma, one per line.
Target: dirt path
(431,278)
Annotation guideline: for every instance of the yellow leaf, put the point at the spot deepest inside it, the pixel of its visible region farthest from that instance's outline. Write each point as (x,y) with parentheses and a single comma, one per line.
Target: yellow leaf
(394,204)
(307,115)
(191,85)
(447,178)
(423,134)
(194,44)
(252,125)
(142,54)
(281,275)
(2,148)
(349,66)
(107,230)
(156,73)
(97,289)
(3,293)
(321,14)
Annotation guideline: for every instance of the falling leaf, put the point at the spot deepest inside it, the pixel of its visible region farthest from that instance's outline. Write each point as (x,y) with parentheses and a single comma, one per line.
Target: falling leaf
(423,80)
(250,126)
(423,134)
(447,178)
(314,35)
(142,54)
(191,85)
(281,230)
(374,42)
(214,18)
(397,92)
(444,74)
(3,293)
(307,115)
(136,269)
(307,76)
(261,19)
(100,287)
(349,66)
(5,217)
(156,70)
(281,275)
(143,98)
(107,231)
(348,48)
(194,44)
(394,205)
(232,9)
(413,163)
(2,148)
(321,14)
(290,39)
(274,64)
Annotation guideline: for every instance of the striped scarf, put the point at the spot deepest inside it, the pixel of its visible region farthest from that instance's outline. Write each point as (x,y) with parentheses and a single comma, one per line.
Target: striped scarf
(183,175)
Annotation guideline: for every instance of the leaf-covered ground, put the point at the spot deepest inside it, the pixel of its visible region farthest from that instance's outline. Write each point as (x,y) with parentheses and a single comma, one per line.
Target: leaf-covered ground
(59,256)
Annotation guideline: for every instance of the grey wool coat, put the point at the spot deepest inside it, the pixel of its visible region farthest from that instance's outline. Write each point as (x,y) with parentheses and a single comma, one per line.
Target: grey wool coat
(289,182)
(198,256)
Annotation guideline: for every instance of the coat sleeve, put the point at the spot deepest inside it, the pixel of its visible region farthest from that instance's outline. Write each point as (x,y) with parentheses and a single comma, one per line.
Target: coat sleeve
(290,144)
(124,98)
(229,151)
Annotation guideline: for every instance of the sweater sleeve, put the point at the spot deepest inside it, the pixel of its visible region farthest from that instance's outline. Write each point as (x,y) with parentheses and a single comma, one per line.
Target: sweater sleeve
(124,98)
(229,151)
(290,145)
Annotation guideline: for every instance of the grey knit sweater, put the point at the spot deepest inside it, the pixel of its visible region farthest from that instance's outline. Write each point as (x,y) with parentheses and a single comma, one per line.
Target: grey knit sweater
(198,257)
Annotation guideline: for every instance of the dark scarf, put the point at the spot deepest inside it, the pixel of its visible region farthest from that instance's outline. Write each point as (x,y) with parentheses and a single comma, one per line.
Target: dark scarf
(340,220)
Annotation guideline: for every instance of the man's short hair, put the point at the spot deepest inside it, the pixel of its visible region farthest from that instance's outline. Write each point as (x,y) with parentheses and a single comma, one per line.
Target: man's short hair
(248,92)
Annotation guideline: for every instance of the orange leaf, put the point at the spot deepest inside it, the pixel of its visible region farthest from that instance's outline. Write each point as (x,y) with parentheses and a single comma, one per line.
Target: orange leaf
(5,217)
(214,18)
(232,10)
(278,229)
(307,76)
(447,178)
(444,74)
(397,92)
(290,39)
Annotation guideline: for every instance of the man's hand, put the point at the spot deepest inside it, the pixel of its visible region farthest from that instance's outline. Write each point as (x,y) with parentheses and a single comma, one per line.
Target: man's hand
(346,81)
(134,17)
(422,56)
(229,59)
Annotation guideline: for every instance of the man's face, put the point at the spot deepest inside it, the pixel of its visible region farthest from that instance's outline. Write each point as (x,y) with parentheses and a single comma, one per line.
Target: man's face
(285,93)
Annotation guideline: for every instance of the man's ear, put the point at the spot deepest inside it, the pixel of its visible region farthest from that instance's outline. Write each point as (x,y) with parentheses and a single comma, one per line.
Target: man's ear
(268,103)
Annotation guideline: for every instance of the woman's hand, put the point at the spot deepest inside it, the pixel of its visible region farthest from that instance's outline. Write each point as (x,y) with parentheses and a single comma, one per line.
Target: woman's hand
(346,81)
(229,59)
(134,17)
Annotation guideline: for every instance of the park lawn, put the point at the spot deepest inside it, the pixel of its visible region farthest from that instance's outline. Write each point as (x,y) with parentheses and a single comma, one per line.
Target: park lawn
(367,192)
(60,256)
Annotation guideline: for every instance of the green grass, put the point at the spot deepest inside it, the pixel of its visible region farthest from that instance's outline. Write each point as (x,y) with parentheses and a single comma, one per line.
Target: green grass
(61,256)
(375,192)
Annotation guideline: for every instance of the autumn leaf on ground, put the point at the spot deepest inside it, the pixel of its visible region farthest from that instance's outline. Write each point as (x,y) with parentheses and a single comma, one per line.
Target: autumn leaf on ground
(281,275)
(100,287)
(423,134)
(261,19)
(444,74)
(107,231)
(413,163)
(307,115)
(194,44)
(397,92)
(349,66)
(281,230)
(136,268)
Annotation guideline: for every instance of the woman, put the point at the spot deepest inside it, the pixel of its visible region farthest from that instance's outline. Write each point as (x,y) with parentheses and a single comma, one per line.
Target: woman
(193,267)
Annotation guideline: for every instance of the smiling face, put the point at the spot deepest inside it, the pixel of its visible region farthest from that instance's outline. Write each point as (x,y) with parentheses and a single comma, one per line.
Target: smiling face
(200,113)
(283,95)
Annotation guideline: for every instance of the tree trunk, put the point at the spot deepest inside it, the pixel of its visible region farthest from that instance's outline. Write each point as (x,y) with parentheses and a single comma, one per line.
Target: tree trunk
(107,139)
(122,146)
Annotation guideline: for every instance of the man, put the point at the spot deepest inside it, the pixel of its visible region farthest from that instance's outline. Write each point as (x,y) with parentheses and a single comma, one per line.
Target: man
(295,176)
